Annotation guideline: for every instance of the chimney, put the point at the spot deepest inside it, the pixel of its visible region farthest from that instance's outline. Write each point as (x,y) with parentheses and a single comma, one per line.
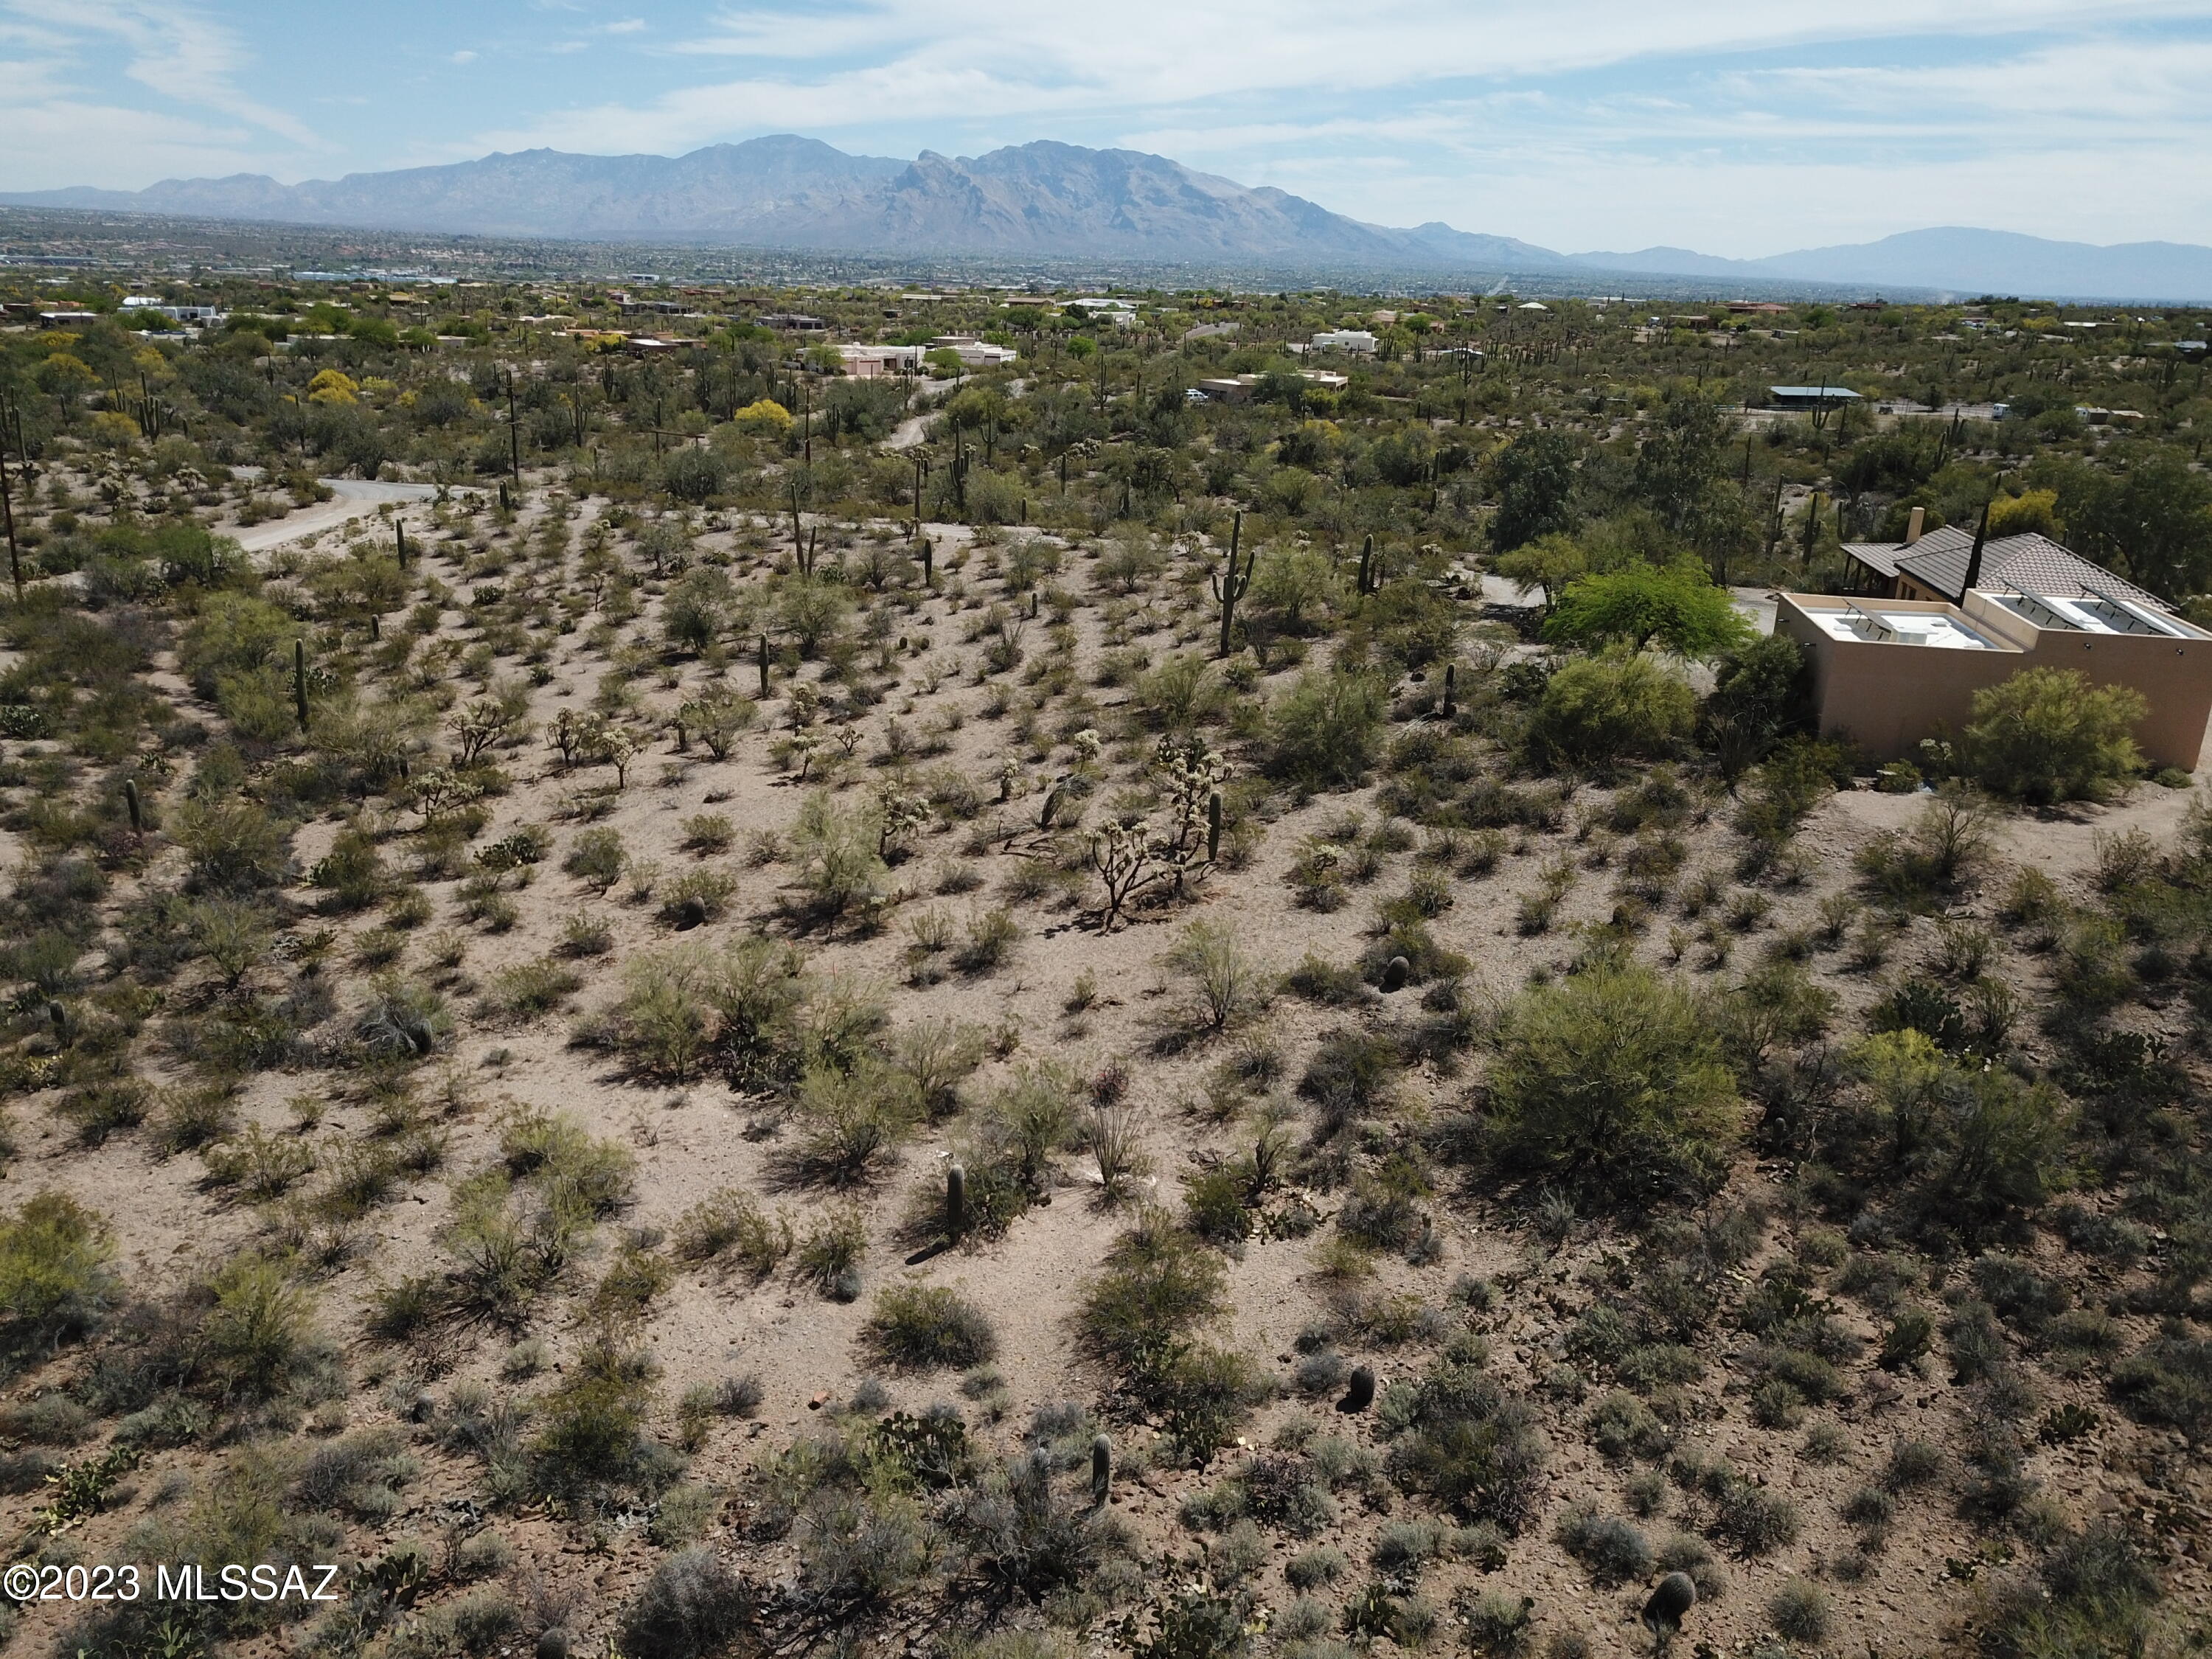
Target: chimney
(1912,529)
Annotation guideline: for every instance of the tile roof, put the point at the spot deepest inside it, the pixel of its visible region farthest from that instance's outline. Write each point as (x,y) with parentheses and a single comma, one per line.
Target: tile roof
(2030,562)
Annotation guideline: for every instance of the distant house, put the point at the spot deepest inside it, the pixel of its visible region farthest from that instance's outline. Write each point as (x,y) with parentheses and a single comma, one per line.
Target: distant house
(1810,397)
(1120,313)
(876,362)
(1357,341)
(793,322)
(1239,388)
(975,353)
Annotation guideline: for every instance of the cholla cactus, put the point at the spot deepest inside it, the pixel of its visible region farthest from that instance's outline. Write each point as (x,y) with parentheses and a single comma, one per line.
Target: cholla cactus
(1121,854)
(806,701)
(1087,744)
(803,746)
(1013,779)
(902,816)
(1192,773)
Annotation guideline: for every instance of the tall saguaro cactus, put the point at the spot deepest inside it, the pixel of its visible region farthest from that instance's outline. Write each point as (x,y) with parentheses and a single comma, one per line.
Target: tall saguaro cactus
(300,681)
(1231,581)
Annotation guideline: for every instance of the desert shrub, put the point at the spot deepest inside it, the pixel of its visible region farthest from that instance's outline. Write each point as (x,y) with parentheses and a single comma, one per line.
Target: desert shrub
(694,1604)
(1460,1440)
(1794,780)
(234,844)
(590,1427)
(1920,867)
(99,1111)
(359,1475)
(1226,985)
(2048,734)
(1326,730)
(2093,1592)
(527,989)
(1352,1075)
(727,1225)
(1598,710)
(839,858)
(1383,1210)
(1612,1081)
(1613,1551)
(828,1256)
(1755,1521)
(352,871)
(257,1329)
(1026,1539)
(850,1122)
(1622,1426)
(403,1020)
(1800,1611)
(921,1328)
(2169,1383)
(1157,1284)
(56,1274)
(695,897)
(1965,1147)
(596,856)
(1310,1569)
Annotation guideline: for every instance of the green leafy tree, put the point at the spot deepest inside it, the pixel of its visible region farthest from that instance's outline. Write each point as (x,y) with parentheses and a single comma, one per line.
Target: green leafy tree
(1674,606)
(1534,479)
(1548,563)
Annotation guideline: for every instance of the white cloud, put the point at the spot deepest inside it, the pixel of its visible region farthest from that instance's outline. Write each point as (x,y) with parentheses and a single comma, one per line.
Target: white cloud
(186,58)
(464,56)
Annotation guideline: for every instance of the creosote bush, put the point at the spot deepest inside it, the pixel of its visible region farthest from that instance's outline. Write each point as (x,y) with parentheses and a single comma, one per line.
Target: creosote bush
(927,1327)
(1613,1081)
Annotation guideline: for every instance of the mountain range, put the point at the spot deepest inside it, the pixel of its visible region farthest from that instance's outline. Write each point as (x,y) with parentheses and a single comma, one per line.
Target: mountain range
(1061,202)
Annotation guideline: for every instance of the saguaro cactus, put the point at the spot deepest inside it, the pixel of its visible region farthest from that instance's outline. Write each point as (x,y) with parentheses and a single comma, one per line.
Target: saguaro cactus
(134,806)
(763,665)
(1451,689)
(399,530)
(1231,582)
(1214,827)
(300,681)
(1366,565)
(1102,1470)
(956,1201)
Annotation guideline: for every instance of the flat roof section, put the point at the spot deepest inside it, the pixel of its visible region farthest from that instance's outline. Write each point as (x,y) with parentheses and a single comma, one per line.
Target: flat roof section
(2096,613)
(1880,625)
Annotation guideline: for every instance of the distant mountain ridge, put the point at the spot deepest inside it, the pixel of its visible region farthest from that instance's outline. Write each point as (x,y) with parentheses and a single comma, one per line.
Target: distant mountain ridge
(1049,200)
(1960,260)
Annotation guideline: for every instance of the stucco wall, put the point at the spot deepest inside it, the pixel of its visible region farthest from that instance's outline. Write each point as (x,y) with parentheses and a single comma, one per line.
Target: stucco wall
(1888,696)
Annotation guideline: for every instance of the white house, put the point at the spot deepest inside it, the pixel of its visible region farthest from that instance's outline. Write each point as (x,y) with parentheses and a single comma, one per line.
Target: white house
(975,354)
(1120,313)
(1358,341)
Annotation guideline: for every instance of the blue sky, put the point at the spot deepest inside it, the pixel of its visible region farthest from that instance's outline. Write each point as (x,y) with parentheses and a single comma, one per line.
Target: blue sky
(1735,127)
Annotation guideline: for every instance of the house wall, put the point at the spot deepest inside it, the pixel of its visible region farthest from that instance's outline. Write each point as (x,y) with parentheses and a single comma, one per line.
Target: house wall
(1888,696)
